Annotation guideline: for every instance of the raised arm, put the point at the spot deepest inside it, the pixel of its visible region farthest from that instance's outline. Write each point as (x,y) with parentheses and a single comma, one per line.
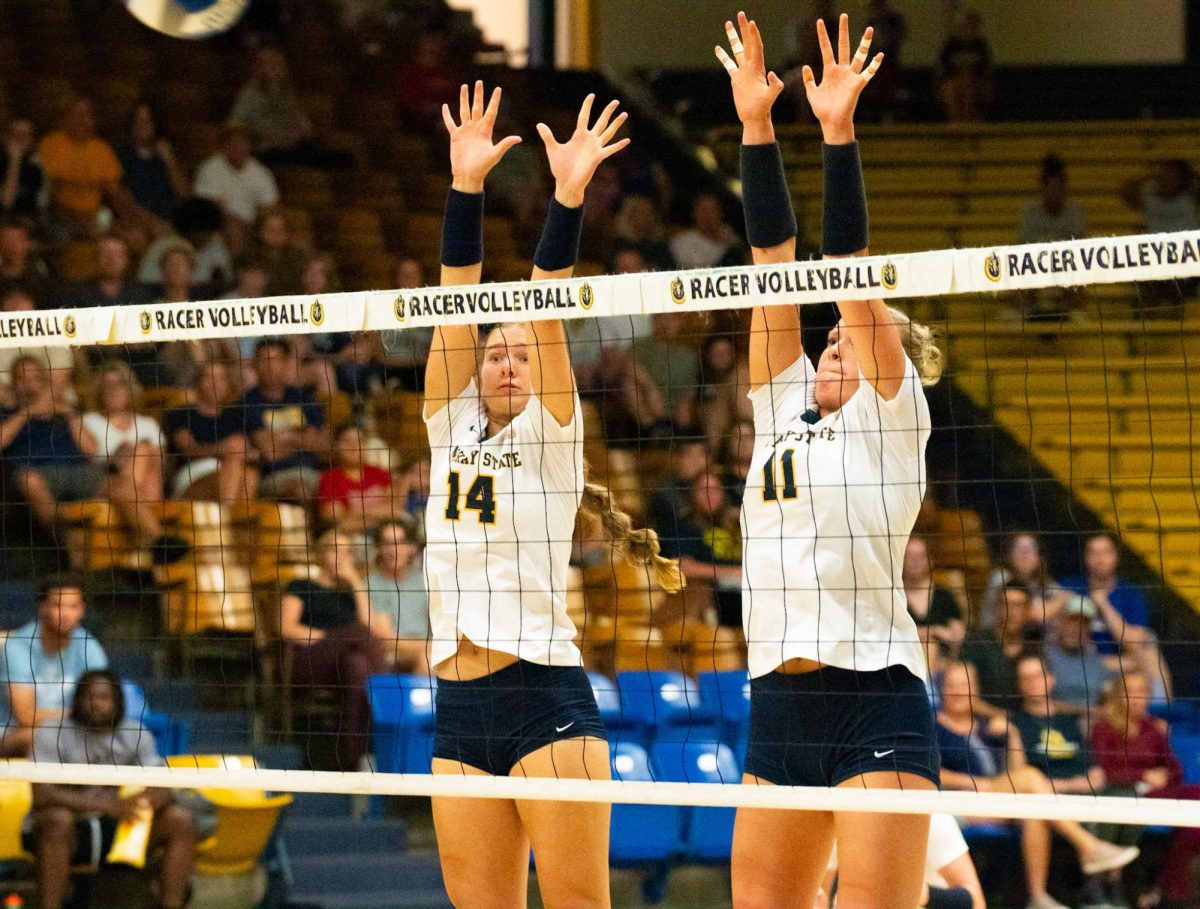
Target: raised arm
(775,342)
(573,163)
(871,328)
(451,361)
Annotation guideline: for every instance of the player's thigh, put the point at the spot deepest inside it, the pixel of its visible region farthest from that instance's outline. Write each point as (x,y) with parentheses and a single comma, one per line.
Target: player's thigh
(881,857)
(569,839)
(779,856)
(482,847)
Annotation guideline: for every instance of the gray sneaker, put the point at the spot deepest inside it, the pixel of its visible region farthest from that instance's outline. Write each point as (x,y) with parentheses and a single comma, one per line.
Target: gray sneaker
(1108,857)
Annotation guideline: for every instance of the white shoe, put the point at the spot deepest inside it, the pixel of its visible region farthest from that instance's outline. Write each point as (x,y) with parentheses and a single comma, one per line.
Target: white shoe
(1047,902)
(1108,857)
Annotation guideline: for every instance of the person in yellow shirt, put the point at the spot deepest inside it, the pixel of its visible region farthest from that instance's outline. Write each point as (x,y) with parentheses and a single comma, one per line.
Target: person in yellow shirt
(82,168)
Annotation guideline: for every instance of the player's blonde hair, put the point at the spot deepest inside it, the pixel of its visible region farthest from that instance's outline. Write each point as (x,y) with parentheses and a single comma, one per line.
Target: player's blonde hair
(920,343)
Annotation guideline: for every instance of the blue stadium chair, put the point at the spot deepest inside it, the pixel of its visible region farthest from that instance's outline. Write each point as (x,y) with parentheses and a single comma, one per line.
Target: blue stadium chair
(170,737)
(665,706)
(726,697)
(402,722)
(708,833)
(641,834)
(1185,741)
(608,700)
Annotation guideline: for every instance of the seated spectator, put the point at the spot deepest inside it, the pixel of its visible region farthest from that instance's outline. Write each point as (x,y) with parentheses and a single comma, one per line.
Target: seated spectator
(149,169)
(111,286)
(1168,198)
(197,224)
(673,493)
(83,173)
(424,81)
(360,368)
(176,264)
(639,227)
(707,541)
(206,434)
(964,74)
(355,495)
(1071,656)
(890,98)
(708,240)
(994,650)
(673,364)
(1138,760)
(972,760)
(43,659)
(405,352)
(1122,605)
(269,107)
(327,618)
(272,246)
(241,185)
(76,825)
(632,406)
(45,446)
(1023,564)
(21,175)
(607,338)
(20,268)
(737,454)
(1052,742)
(414,489)
(1053,216)
(933,608)
(284,423)
(724,382)
(398,596)
(60,361)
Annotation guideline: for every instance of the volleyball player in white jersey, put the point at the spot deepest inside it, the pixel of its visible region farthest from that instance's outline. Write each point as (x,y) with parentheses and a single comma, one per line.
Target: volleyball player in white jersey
(837,691)
(506,481)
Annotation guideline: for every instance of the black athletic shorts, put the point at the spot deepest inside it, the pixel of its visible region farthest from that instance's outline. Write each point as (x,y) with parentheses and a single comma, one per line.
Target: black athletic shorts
(824,727)
(492,722)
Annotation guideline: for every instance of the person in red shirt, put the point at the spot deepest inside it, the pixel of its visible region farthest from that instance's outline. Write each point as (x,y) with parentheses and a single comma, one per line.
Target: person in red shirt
(1137,759)
(353,494)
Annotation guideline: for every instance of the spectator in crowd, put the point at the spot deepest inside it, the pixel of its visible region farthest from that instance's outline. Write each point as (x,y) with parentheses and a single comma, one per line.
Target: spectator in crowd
(60,361)
(1071,656)
(1168,198)
(176,265)
(424,82)
(354,494)
(398,596)
(207,436)
(640,228)
(673,493)
(45,446)
(1138,760)
(414,489)
(327,618)
(1122,605)
(405,352)
(933,608)
(993,651)
(198,224)
(42,661)
(964,75)
(707,541)
(21,175)
(1023,564)
(888,98)
(73,825)
(708,240)
(724,382)
(1052,216)
(83,172)
(111,286)
(973,761)
(1053,742)
(284,423)
(285,262)
(20,268)
(737,454)
(240,184)
(674,366)
(607,338)
(632,407)
(360,368)
(148,167)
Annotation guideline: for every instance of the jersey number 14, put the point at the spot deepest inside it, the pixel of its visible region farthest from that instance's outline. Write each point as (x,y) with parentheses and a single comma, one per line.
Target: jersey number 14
(481,497)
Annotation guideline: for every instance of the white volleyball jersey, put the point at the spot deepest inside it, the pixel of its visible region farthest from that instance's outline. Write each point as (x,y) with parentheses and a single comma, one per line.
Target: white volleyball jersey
(498,528)
(828,510)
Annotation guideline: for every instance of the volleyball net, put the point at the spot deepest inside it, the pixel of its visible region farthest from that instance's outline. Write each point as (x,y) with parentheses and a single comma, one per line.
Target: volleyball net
(1065,412)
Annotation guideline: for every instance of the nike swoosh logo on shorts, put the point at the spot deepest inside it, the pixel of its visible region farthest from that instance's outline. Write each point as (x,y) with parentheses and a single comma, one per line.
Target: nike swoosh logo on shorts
(564,728)
(881,754)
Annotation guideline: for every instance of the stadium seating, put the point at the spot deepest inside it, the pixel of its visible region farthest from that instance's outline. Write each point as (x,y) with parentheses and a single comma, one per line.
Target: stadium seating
(641,833)
(708,832)
(402,722)
(171,737)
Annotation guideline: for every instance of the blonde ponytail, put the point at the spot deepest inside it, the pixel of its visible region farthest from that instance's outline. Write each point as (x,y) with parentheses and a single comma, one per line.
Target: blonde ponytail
(920,343)
(636,546)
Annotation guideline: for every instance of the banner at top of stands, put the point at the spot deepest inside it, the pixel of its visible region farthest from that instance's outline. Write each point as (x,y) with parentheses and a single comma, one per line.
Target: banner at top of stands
(948,271)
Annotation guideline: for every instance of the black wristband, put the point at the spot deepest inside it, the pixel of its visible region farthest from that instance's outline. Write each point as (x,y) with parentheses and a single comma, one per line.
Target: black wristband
(559,246)
(844,228)
(462,230)
(766,200)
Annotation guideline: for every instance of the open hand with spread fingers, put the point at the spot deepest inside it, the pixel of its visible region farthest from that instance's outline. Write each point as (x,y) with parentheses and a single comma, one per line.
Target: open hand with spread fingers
(842,80)
(574,162)
(754,89)
(472,152)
